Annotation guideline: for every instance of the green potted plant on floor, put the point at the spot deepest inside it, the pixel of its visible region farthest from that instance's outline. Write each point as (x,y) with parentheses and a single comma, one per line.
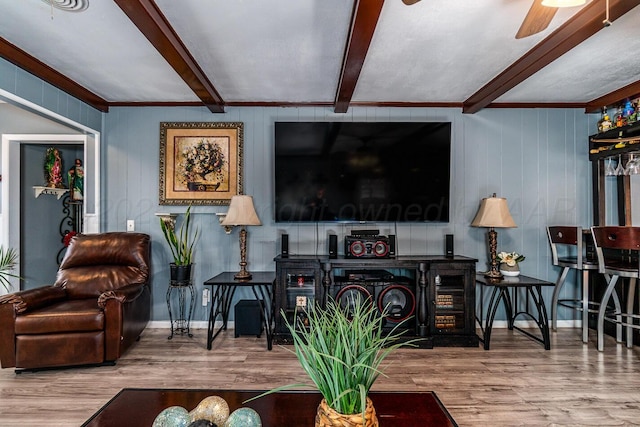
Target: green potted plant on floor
(342,352)
(181,242)
(8,260)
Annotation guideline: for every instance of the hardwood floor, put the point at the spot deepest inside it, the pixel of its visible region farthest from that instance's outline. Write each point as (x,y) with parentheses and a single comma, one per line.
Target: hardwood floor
(516,383)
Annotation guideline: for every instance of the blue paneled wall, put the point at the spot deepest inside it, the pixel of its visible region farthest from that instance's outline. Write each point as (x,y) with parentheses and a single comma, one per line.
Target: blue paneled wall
(536,158)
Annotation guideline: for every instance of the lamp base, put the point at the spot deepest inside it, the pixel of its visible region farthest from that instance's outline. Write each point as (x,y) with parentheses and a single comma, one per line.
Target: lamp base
(242,275)
(493,274)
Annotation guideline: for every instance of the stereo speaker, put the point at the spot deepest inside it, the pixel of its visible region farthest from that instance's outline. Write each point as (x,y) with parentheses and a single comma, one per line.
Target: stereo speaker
(366,247)
(333,246)
(448,245)
(396,299)
(392,245)
(284,246)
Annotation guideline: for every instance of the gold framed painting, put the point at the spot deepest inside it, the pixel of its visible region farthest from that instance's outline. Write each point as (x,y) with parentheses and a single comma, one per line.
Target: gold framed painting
(200,163)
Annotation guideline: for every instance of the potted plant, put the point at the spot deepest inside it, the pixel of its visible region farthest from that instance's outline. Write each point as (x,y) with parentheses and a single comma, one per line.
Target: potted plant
(181,243)
(342,352)
(8,260)
(509,263)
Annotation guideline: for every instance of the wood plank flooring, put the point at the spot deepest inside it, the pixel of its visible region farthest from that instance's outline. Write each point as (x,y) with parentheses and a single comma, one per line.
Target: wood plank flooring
(516,383)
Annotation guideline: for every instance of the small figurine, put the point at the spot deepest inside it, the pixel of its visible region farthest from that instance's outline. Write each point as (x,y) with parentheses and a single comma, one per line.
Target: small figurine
(628,109)
(604,124)
(620,119)
(76,180)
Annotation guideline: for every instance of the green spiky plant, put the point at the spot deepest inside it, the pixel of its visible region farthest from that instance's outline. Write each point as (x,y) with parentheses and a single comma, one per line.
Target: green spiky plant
(8,261)
(181,242)
(342,351)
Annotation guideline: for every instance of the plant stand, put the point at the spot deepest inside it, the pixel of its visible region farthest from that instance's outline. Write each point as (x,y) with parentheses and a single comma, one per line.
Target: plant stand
(182,322)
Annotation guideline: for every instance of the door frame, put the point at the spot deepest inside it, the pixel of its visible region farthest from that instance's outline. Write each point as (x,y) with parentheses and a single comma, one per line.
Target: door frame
(10,186)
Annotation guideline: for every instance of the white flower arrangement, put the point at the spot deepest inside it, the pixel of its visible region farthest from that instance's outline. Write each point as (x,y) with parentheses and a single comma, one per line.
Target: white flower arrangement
(510,258)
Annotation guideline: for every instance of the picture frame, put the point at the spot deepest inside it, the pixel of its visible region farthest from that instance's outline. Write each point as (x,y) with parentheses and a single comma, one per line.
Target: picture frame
(200,162)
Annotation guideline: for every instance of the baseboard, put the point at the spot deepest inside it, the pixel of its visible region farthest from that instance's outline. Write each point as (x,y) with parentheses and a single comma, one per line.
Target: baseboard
(201,324)
(531,324)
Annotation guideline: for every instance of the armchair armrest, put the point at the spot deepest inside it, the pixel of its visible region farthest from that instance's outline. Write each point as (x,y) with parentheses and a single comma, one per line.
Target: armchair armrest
(32,299)
(124,294)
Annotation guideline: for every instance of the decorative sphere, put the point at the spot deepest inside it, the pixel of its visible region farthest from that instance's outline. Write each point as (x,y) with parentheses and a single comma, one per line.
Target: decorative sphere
(173,416)
(202,423)
(244,417)
(212,408)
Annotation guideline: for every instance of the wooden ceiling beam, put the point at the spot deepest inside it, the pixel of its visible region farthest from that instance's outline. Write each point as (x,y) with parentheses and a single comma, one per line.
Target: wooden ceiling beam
(363,25)
(632,90)
(146,15)
(22,59)
(577,29)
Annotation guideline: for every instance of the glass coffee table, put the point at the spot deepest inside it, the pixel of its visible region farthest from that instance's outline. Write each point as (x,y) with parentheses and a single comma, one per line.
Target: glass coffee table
(139,407)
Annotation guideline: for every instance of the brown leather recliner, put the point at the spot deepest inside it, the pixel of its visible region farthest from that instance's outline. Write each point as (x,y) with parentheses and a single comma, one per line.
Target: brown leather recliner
(98,306)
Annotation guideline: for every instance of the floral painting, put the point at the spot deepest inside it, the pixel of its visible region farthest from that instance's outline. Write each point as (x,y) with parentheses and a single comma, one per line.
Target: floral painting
(200,163)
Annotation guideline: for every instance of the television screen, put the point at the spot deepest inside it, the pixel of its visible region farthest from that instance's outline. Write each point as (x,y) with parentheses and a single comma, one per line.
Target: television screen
(362,171)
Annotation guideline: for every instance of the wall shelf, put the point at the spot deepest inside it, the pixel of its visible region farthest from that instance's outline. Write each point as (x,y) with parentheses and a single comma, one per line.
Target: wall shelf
(58,192)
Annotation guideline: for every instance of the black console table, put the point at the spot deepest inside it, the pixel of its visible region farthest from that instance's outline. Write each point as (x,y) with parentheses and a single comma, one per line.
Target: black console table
(431,297)
(223,287)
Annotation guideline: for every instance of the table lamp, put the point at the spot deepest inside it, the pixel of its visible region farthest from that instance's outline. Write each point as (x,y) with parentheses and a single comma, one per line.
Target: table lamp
(493,213)
(241,212)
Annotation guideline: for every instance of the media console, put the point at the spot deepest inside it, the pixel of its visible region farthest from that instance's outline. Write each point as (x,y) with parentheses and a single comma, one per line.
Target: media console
(431,297)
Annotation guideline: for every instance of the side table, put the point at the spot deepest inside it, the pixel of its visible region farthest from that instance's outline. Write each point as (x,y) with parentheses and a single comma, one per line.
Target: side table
(513,309)
(182,322)
(223,287)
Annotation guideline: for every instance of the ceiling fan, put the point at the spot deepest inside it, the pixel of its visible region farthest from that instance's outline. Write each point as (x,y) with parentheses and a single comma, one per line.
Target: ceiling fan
(538,18)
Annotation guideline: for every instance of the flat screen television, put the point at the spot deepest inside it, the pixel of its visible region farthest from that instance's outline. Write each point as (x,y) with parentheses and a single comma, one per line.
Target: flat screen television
(362,171)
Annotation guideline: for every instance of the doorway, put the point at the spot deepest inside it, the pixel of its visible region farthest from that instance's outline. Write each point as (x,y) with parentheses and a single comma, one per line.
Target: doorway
(16,230)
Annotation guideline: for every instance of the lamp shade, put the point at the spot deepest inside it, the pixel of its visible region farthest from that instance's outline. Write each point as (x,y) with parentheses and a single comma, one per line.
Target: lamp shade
(493,212)
(241,212)
(563,3)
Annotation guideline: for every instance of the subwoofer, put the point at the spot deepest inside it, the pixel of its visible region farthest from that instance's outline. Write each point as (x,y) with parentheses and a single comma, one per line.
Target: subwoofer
(347,295)
(397,302)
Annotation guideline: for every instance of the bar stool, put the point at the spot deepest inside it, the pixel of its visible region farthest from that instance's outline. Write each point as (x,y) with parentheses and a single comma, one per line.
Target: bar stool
(617,249)
(567,252)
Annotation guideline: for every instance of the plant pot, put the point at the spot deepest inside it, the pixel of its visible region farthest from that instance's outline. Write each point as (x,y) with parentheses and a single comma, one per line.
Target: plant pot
(180,273)
(327,417)
(509,270)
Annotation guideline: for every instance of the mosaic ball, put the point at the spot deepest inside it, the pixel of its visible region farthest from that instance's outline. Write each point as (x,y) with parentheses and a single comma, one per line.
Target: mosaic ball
(202,423)
(212,408)
(173,416)
(244,417)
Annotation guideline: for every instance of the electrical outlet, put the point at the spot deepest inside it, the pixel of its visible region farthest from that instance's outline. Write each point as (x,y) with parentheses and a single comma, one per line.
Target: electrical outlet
(131,225)
(205,297)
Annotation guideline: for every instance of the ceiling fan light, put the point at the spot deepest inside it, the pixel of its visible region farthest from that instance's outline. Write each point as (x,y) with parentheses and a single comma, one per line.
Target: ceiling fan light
(563,3)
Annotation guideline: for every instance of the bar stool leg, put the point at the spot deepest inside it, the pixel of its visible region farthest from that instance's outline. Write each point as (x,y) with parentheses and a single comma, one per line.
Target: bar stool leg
(603,308)
(629,318)
(556,297)
(585,306)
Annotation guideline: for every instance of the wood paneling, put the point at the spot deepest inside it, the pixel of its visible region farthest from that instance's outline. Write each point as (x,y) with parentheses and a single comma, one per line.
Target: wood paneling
(536,158)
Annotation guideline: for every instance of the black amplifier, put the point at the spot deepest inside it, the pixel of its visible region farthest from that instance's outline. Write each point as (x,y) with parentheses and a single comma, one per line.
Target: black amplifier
(369,246)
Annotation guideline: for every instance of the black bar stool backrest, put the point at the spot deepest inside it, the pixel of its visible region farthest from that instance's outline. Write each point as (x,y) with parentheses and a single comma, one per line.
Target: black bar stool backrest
(617,249)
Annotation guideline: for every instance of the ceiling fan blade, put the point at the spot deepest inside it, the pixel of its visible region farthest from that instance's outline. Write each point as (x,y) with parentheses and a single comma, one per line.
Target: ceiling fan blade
(410,2)
(538,18)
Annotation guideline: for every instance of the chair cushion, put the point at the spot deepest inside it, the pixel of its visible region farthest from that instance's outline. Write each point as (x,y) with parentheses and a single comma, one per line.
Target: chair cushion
(96,263)
(66,316)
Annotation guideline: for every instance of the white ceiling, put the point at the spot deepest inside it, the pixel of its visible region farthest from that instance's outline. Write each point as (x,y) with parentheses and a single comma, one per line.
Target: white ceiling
(291,51)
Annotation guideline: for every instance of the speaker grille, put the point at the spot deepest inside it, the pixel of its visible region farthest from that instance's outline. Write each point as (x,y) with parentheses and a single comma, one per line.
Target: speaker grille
(398,301)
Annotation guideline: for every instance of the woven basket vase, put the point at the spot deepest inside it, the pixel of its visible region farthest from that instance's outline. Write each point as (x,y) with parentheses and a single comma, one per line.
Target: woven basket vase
(327,417)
